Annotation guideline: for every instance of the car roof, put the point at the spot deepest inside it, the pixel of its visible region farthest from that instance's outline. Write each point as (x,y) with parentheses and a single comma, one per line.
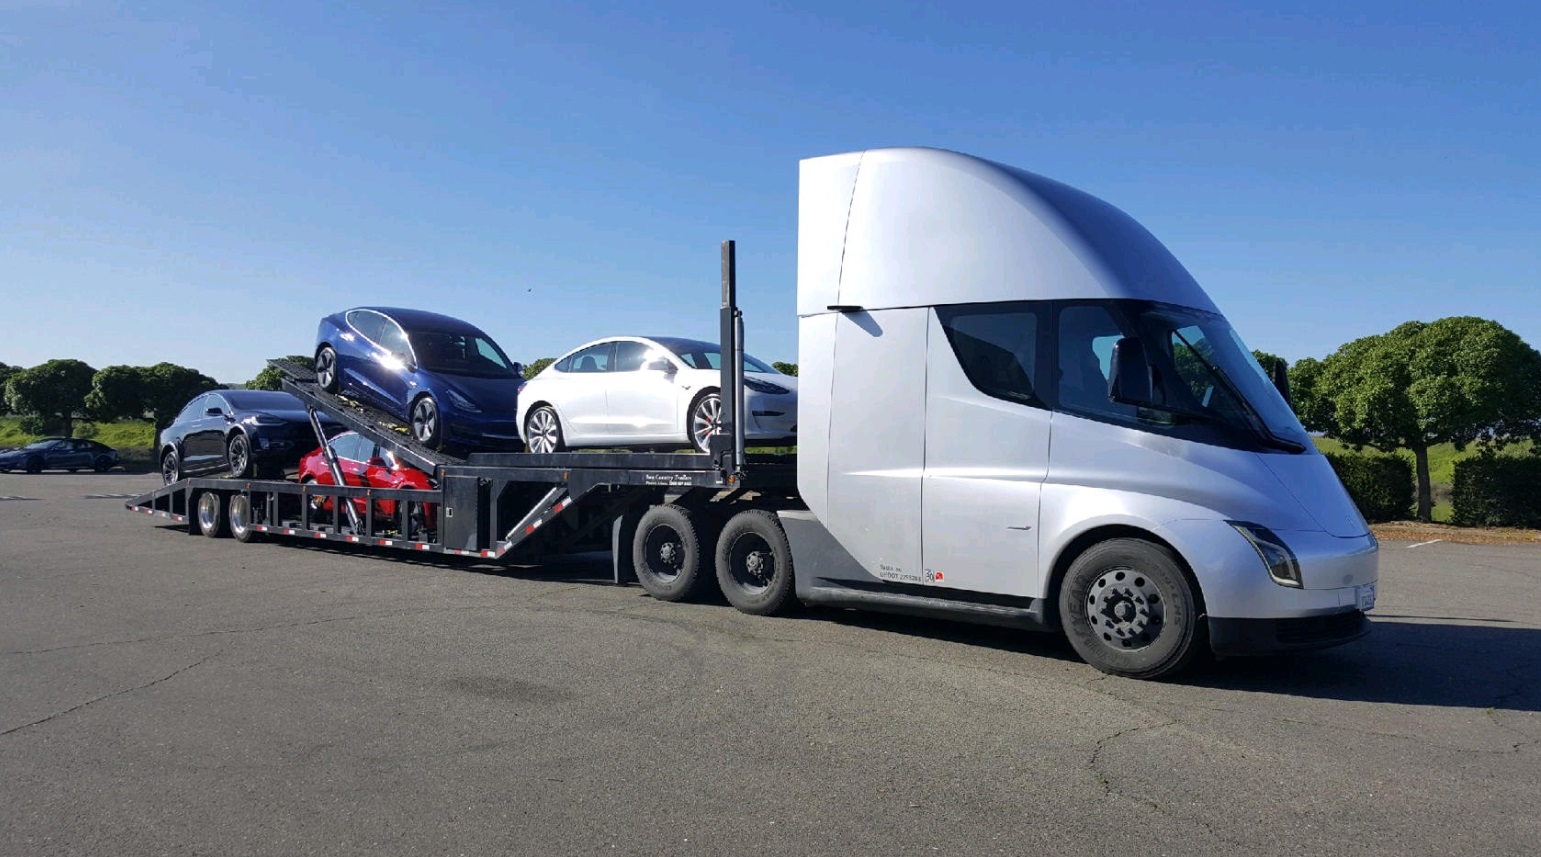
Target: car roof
(421,319)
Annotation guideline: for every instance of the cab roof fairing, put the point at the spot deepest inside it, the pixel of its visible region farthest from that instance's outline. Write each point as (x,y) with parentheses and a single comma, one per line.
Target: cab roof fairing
(909,227)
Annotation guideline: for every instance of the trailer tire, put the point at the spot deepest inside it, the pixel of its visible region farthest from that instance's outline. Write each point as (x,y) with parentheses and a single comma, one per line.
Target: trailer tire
(239,518)
(754,564)
(667,553)
(1129,609)
(210,515)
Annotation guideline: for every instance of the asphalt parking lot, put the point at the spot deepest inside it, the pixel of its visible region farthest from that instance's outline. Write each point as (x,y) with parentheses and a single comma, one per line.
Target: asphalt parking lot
(171,694)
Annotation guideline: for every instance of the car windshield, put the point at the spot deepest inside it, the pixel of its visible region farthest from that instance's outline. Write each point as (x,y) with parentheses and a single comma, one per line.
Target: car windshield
(1203,368)
(708,355)
(260,399)
(459,353)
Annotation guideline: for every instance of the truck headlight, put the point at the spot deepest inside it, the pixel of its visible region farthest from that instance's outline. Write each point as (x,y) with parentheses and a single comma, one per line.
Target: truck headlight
(1276,555)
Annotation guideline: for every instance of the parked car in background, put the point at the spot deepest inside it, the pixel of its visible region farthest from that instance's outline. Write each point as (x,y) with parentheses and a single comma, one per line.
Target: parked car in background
(628,391)
(444,376)
(60,453)
(367,465)
(239,432)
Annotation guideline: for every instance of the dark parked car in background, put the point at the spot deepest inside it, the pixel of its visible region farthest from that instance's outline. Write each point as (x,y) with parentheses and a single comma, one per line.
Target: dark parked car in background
(60,453)
(443,376)
(239,432)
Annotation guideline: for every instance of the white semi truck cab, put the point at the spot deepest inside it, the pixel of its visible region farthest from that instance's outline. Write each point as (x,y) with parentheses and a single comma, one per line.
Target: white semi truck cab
(1016,406)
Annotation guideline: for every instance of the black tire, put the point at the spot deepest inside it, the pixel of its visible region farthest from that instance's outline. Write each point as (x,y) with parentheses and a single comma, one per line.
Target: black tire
(542,428)
(667,552)
(238,514)
(754,564)
(102,464)
(34,465)
(1129,609)
(209,512)
(171,466)
(705,409)
(327,374)
(238,454)
(427,424)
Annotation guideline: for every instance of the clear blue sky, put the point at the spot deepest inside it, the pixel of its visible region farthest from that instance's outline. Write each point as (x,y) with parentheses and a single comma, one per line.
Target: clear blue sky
(199,183)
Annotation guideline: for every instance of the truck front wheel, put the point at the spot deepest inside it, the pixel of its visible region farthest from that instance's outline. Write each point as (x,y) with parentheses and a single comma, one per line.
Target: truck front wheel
(1129,610)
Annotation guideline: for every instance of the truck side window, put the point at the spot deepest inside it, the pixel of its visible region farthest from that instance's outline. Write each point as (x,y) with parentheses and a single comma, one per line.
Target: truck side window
(997,346)
(1086,337)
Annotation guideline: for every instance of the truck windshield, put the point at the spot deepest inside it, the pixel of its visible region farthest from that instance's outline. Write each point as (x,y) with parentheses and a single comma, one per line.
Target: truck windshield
(1202,368)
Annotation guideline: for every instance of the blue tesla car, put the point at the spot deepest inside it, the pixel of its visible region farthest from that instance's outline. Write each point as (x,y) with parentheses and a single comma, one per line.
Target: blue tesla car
(446,378)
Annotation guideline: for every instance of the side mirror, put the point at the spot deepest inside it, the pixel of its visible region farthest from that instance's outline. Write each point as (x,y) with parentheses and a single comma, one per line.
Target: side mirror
(1129,381)
(1281,381)
(518,369)
(659,365)
(213,412)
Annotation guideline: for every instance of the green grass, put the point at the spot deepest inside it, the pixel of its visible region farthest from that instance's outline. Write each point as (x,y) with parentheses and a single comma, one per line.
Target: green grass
(128,434)
(1442,459)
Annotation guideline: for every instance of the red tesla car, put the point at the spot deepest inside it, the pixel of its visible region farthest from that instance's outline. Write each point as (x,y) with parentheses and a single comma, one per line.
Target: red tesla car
(365,464)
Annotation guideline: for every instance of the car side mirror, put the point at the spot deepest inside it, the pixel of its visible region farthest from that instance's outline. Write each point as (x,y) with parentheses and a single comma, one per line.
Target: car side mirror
(1129,380)
(660,365)
(1281,381)
(213,412)
(518,369)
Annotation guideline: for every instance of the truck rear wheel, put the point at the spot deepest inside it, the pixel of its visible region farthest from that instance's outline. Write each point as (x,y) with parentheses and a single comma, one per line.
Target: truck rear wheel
(1129,610)
(667,552)
(211,515)
(754,563)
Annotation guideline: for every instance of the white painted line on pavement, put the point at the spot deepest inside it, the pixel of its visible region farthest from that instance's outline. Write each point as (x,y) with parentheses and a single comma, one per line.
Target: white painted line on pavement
(1421,544)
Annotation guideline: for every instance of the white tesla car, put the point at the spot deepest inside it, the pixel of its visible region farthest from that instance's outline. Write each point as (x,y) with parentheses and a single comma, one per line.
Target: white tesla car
(629,391)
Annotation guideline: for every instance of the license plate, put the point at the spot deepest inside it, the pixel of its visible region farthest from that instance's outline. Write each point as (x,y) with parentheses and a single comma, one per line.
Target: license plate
(1366,597)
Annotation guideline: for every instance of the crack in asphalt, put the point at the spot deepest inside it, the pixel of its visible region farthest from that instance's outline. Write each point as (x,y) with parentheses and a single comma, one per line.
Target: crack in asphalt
(1109,791)
(57,714)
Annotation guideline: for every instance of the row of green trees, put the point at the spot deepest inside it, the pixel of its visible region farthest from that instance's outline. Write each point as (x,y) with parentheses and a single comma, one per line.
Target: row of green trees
(54,396)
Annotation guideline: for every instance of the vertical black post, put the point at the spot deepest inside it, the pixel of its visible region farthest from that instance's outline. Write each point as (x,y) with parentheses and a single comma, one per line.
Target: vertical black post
(726,442)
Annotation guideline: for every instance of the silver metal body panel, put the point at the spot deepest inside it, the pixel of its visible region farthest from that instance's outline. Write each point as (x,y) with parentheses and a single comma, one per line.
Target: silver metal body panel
(922,479)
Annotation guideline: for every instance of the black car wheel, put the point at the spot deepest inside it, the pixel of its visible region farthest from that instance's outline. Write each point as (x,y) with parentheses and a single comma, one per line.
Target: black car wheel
(34,465)
(238,453)
(102,464)
(326,369)
(427,428)
(171,466)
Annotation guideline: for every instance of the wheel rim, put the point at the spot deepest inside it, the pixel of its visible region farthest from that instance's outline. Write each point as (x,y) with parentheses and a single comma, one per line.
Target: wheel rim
(326,367)
(1126,609)
(240,455)
(169,468)
(425,420)
(704,421)
(208,512)
(542,431)
(237,515)
(665,552)
(752,563)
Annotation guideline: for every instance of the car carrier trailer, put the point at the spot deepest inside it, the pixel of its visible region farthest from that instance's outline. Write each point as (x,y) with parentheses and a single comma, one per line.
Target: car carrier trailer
(1016,408)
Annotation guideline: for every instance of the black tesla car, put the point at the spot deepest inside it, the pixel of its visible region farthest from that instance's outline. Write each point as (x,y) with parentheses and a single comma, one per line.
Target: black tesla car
(239,432)
(60,453)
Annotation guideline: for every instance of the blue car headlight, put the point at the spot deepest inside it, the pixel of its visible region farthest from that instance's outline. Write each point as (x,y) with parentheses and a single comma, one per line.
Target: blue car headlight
(767,387)
(461,402)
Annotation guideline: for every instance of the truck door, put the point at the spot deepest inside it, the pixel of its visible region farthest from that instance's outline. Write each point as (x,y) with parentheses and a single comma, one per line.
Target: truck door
(987,448)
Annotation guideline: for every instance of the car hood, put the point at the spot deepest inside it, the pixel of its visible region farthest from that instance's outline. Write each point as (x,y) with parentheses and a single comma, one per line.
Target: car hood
(495,396)
(10,453)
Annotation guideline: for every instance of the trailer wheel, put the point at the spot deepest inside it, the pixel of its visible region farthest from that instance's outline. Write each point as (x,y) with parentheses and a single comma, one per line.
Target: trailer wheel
(667,553)
(754,563)
(238,514)
(1129,610)
(326,369)
(211,515)
(171,466)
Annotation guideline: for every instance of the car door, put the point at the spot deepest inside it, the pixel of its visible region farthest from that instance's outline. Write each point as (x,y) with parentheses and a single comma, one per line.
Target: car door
(582,398)
(987,449)
(642,397)
(78,453)
(394,368)
(199,451)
